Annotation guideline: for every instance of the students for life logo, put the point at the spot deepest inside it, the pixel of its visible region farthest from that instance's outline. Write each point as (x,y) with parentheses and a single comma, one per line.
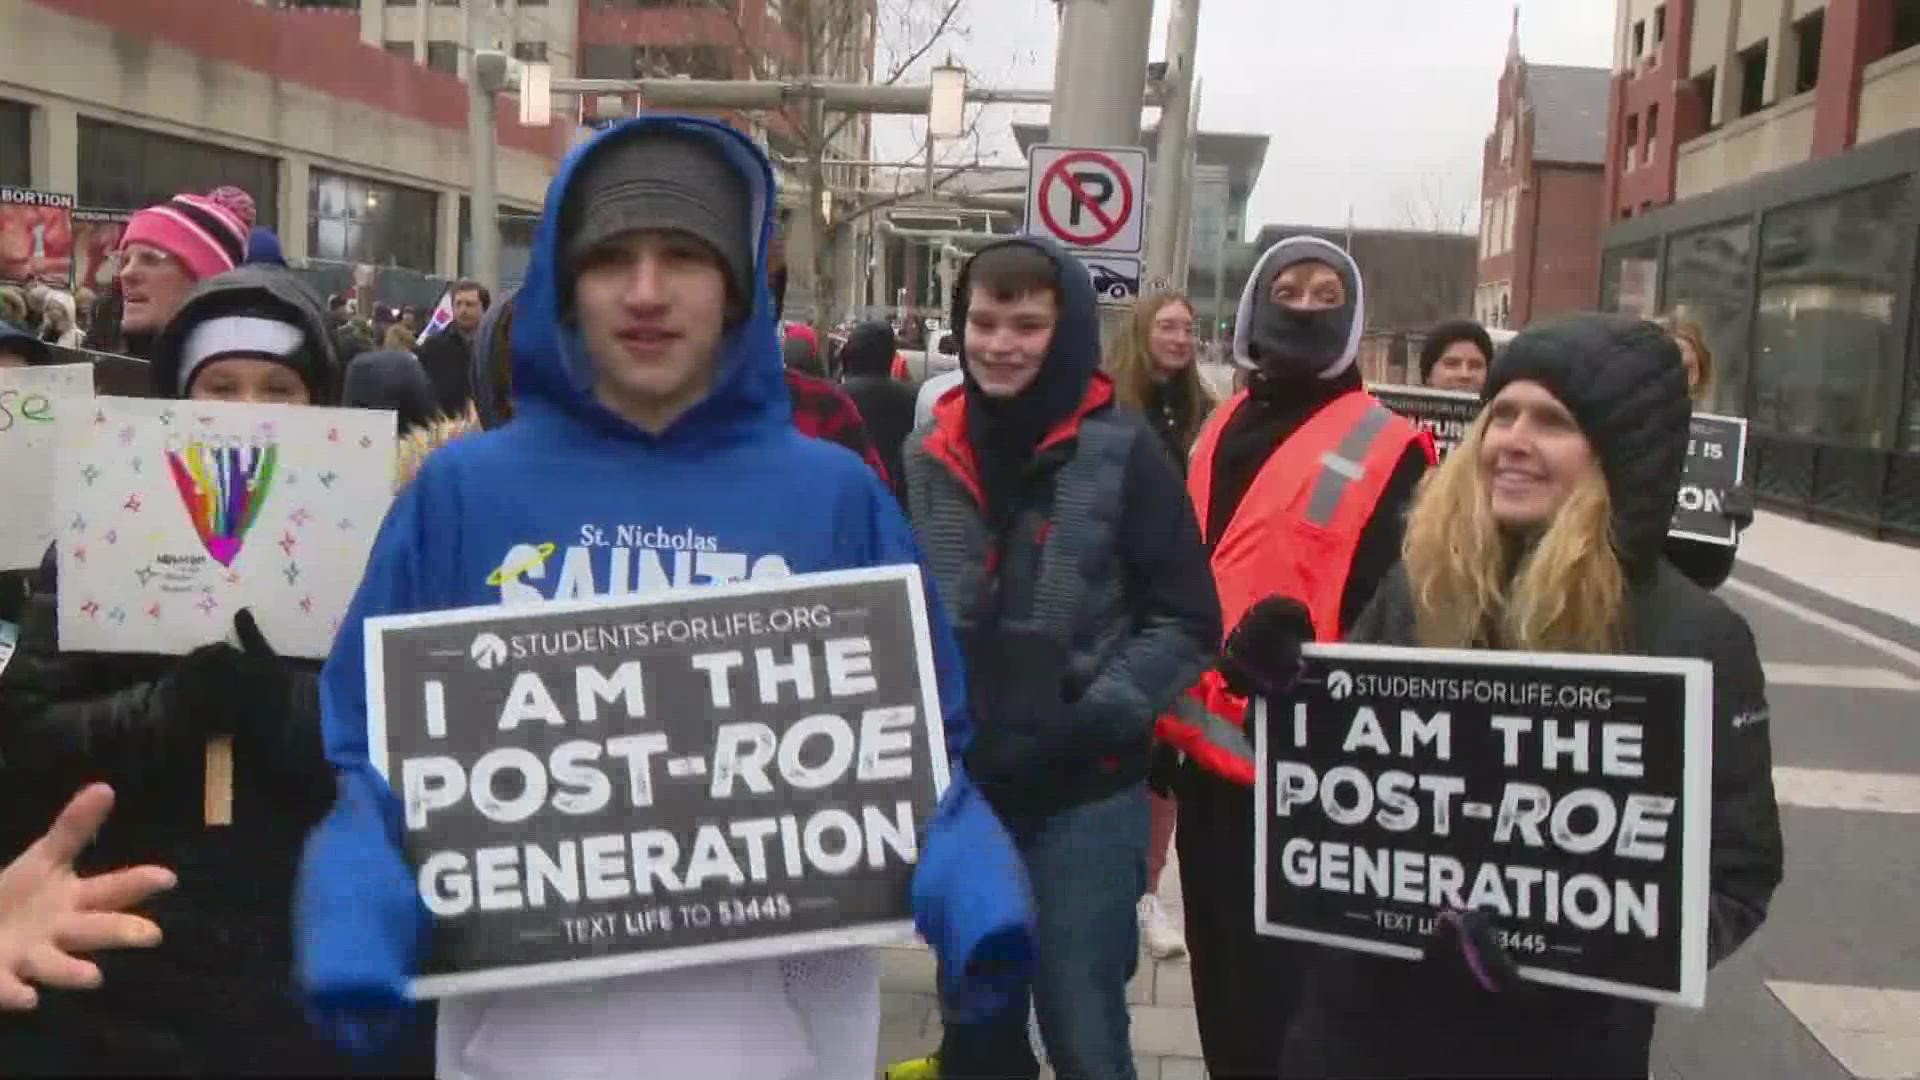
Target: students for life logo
(1339,685)
(488,651)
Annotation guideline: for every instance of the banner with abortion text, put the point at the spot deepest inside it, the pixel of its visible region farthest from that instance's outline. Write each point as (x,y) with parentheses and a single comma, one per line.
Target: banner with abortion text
(630,784)
(1569,796)
(36,237)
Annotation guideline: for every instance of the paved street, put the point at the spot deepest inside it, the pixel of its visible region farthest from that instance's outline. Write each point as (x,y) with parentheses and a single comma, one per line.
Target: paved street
(1830,987)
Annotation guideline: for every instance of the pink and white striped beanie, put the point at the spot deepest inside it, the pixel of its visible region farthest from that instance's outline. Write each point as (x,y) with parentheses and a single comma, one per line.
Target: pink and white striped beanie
(205,232)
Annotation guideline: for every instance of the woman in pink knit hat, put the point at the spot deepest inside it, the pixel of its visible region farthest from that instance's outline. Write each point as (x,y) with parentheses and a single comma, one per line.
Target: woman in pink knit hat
(171,245)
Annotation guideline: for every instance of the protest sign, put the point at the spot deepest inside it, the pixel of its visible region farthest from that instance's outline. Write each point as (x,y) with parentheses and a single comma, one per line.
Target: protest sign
(173,515)
(604,787)
(114,375)
(96,237)
(1716,462)
(30,401)
(36,236)
(1569,796)
(1444,414)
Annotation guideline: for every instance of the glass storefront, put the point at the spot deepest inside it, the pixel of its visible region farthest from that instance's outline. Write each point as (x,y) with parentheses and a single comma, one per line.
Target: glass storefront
(516,242)
(1826,348)
(1630,280)
(126,168)
(357,220)
(1709,282)
(16,144)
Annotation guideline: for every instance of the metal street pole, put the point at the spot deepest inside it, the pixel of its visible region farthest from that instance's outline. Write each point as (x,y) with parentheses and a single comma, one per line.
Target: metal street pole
(1171,193)
(1100,72)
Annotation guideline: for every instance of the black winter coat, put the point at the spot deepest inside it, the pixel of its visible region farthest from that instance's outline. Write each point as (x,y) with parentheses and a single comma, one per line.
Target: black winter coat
(215,997)
(448,358)
(1364,1016)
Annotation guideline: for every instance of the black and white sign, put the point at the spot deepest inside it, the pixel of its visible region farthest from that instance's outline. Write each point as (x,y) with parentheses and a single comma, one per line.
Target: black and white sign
(1568,796)
(1444,414)
(1088,198)
(634,784)
(1116,278)
(1716,463)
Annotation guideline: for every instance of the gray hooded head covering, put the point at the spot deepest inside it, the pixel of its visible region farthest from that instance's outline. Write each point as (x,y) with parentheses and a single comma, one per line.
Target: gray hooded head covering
(1267,338)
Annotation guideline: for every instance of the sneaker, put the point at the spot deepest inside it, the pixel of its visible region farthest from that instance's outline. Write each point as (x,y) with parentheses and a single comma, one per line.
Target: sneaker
(926,1068)
(1163,940)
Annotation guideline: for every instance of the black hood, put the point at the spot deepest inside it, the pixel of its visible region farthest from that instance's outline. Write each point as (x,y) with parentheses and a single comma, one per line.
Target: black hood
(493,363)
(391,379)
(254,288)
(1072,356)
(869,350)
(1623,381)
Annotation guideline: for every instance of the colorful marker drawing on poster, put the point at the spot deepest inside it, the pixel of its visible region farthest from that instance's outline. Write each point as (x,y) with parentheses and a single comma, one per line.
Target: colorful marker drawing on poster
(223,489)
(30,401)
(173,515)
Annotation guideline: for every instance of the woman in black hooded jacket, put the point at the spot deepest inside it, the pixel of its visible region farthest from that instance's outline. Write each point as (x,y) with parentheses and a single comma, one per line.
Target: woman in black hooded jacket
(214,998)
(1543,533)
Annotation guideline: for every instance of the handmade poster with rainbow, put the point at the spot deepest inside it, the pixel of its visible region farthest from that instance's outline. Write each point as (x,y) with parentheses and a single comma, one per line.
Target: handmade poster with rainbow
(172,515)
(30,401)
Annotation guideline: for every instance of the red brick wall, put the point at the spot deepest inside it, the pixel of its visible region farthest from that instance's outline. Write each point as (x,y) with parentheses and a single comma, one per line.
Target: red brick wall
(1565,250)
(1857,32)
(1663,85)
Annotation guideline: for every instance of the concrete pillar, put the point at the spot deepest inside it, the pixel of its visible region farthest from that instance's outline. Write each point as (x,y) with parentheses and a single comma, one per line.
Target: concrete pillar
(1100,72)
(447,259)
(56,147)
(1856,33)
(1172,196)
(1727,89)
(296,209)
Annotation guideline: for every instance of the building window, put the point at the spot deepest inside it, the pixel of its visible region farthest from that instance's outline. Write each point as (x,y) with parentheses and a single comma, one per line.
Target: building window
(1906,25)
(444,56)
(1486,228)
(1630,279)
(1639,39)
(401,49)
(1506,141)
(1753,79)
(16,144)
(516,241)
(533,52)
(356,220)
(1806,51)
(1703,87)
(1659,25)
(1709,278)
(1653,132)
(696,61)
(1630,145)
(1826,356)
(126,168)
(606,62)
(1513,217)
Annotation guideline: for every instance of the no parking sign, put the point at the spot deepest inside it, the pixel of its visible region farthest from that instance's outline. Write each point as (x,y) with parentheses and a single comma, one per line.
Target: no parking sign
(1090,199)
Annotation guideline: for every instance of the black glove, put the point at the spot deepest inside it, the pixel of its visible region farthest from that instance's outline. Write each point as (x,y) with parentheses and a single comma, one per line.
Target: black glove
(1737,504)
(1162,770)
(1262,655)
(1017,692)
(221,690)
(1465,945)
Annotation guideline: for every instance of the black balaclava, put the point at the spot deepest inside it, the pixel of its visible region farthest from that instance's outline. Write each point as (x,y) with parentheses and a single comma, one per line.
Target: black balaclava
(1003,432)
(1289,350)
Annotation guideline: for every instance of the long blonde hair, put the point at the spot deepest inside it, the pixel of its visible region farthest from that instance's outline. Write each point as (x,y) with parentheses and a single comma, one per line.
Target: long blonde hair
(1130,363)
(1682,329)
(1477,585)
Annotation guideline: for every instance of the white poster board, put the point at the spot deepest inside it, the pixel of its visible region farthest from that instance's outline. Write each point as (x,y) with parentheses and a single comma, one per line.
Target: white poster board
(174,515)
(30,400)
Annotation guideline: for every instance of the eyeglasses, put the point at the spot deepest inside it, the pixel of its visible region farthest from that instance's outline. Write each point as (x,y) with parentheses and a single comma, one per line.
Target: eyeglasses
(143,258)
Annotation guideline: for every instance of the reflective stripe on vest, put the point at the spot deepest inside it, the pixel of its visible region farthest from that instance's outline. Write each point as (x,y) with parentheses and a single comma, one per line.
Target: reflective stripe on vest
(1212,728)
(1341,467)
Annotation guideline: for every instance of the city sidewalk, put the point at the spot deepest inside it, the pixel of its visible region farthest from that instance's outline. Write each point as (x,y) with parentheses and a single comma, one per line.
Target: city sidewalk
(1166,1044)
(1876,575)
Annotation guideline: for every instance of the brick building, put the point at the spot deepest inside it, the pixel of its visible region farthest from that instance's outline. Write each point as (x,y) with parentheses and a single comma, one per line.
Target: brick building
(1763,180)
(1542,180)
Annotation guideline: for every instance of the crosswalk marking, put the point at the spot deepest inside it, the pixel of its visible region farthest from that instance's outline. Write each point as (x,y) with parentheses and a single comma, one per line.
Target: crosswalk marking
(1839,676)
(1873,1031)
(1837,789)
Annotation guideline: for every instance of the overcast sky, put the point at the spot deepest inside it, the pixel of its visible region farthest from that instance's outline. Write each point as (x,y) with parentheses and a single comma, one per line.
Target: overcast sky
(1374,107)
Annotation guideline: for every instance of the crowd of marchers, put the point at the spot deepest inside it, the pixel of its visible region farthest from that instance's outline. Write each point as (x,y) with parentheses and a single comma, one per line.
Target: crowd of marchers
(1116,562)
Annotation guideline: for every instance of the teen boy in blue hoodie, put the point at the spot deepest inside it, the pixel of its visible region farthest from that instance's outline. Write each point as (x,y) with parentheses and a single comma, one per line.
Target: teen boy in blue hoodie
(648,396)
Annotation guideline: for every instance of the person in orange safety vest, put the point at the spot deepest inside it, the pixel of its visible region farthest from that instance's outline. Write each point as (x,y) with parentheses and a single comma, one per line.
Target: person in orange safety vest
(1301,483)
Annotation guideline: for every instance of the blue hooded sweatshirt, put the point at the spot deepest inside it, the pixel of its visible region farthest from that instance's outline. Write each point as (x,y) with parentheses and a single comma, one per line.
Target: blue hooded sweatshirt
(525,513)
